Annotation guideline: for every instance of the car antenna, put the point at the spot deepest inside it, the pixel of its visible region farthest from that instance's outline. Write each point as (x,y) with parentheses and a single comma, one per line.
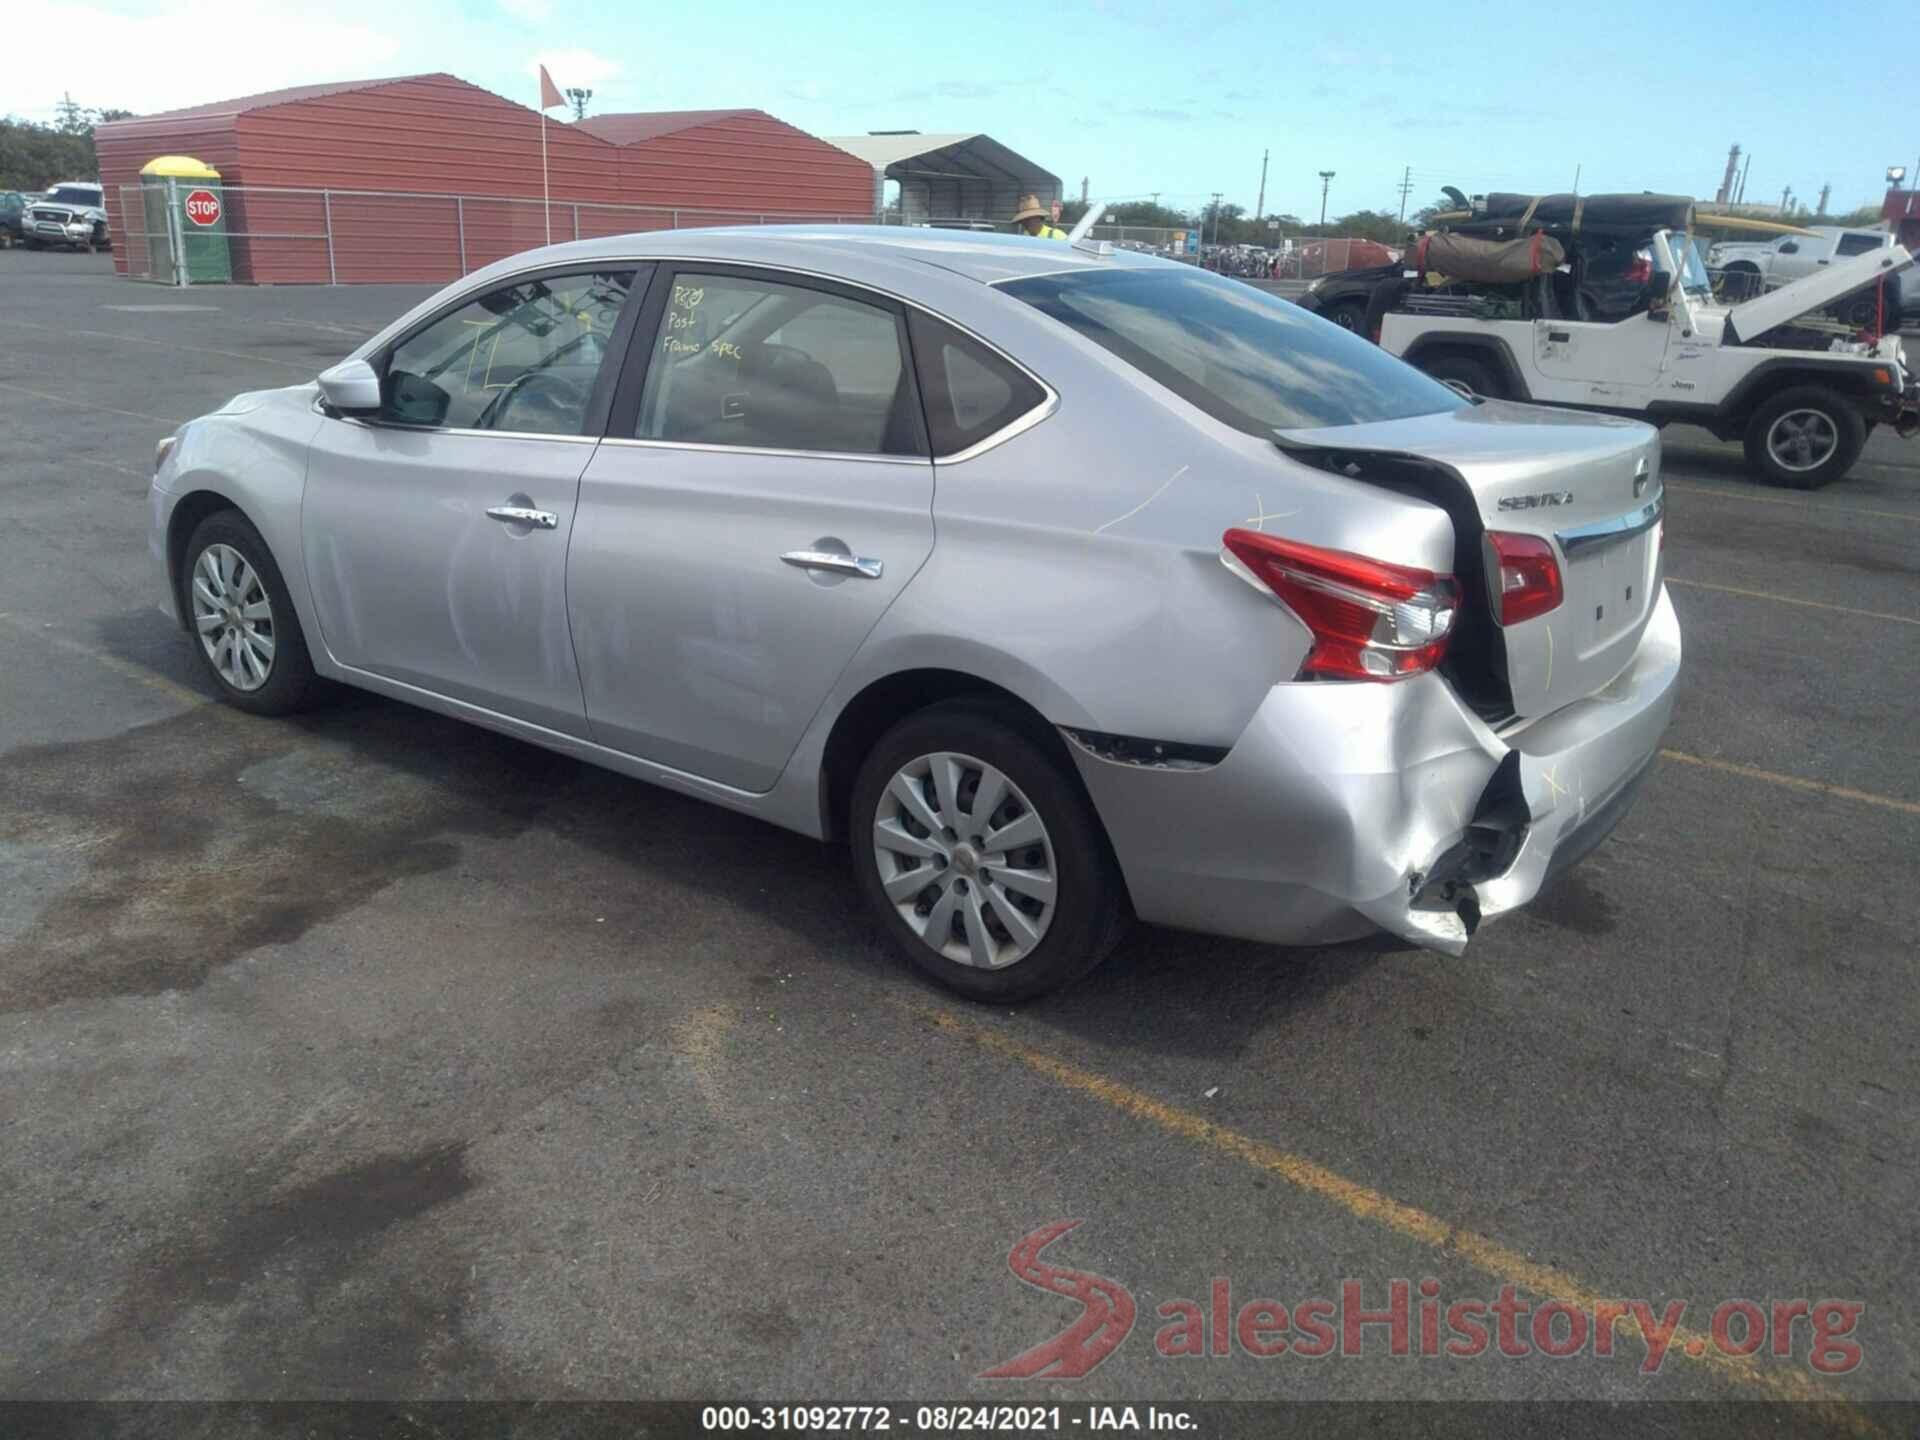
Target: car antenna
(1077,237)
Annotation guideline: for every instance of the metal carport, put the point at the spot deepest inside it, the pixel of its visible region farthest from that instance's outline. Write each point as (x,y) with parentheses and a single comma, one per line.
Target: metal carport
(949,177)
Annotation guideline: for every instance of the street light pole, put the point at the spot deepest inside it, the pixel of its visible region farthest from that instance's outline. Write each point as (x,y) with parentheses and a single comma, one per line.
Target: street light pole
(1326,179)
(1216,217)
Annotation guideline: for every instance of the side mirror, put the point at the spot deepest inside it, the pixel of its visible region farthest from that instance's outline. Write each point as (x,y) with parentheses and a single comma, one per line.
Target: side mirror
(351,387)
(1790,247)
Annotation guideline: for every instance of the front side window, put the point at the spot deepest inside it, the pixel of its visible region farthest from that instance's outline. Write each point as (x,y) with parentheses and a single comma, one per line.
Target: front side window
(522,358)
(767,365)
(1249,359)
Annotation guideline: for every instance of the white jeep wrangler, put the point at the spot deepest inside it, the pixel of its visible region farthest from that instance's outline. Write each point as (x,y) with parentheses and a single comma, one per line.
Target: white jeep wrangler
(1801,388)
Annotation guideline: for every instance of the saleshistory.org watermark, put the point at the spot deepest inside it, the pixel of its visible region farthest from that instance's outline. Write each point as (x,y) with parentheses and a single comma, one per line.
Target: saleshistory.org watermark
(1413,1318)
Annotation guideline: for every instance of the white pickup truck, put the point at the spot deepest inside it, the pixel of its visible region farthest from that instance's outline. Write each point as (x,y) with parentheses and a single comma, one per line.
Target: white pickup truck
(1800,388)
(1753,266)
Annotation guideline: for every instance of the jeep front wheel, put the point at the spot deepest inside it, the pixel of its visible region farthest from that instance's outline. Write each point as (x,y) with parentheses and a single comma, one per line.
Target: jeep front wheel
(1805,437)
(1460,370)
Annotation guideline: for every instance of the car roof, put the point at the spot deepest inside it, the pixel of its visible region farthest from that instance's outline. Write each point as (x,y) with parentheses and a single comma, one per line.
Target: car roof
(851,249)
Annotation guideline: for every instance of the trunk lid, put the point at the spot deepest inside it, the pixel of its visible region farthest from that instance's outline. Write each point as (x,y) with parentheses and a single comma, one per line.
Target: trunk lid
(1588,484)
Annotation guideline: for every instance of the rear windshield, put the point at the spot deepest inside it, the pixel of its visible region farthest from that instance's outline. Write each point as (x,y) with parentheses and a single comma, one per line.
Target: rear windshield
(1248,358)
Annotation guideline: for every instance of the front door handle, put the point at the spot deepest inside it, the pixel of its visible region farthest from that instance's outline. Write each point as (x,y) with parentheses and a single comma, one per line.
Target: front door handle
(524,515)
(836,561)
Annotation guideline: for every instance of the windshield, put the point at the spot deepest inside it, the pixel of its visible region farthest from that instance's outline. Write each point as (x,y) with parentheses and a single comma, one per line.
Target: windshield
(74,195)
(1252,360)
(1693,270)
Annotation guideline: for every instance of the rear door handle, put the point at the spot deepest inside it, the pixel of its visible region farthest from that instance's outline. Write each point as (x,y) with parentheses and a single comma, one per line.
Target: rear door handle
(835,561)
(524,515)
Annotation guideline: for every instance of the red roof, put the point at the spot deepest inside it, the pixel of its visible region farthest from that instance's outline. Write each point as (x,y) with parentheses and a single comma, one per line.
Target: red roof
(636,125)
(291,95)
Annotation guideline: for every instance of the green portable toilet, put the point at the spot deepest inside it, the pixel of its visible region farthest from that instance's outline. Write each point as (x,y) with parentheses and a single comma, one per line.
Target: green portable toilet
(186,213)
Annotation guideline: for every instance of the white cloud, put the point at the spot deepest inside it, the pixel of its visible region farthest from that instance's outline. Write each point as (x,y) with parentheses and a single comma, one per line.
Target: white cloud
(224,48)
(536,11)
(574,67)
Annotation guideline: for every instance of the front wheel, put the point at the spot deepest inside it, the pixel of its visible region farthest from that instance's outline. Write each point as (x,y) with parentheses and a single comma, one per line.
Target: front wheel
(244,627)
(982,857)
(1805,437)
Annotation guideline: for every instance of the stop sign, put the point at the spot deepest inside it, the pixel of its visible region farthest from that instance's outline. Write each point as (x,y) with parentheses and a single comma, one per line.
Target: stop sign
(203,207)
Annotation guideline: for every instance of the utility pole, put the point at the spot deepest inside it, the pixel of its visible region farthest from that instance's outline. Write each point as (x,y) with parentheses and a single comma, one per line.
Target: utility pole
(1745,170)
(1083,192)
(1825,191)
(1725,192)
(1326,179)
(1406,188)
(1260,205)
(1216,217)
(1785,196)
(579,97)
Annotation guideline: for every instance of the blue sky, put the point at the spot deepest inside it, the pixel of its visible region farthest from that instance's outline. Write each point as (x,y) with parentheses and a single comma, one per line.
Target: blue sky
(1138,97)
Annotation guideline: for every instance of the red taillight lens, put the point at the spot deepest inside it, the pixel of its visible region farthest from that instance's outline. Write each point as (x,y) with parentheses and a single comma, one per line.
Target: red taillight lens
(1370,620)
(1525,574)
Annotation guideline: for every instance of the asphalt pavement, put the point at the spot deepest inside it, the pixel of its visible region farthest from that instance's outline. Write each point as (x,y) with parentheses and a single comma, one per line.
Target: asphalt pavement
(374,1055)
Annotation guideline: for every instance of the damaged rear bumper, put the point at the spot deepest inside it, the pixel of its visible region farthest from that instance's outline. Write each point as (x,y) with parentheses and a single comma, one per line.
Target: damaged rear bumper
(1346,808)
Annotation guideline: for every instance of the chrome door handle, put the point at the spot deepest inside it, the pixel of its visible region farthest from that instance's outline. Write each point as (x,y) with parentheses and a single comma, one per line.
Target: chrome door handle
(834,560)
(524,515)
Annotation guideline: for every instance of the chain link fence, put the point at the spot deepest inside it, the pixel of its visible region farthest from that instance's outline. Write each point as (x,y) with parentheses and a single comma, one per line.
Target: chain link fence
(280,236)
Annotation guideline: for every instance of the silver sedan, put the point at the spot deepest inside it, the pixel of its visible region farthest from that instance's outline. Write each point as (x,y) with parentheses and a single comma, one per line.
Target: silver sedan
(1064,586)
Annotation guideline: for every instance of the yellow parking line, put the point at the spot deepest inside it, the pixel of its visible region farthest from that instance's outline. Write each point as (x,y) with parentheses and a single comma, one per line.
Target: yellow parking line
(87,404)
(1792,600)
(138,674)
(1365,1203)
(1802,505)
(1794,782)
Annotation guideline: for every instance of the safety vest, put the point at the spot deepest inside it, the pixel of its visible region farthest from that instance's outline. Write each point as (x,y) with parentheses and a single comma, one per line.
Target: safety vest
(1047,232)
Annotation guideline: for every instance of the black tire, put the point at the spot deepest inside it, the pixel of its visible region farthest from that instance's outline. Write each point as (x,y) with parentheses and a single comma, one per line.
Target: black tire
(291,683)
(1090,909)
(1348,315)
(1848,427)
(1464,370)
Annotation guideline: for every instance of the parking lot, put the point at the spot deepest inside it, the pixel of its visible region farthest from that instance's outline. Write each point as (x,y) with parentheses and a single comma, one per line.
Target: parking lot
(372,1055)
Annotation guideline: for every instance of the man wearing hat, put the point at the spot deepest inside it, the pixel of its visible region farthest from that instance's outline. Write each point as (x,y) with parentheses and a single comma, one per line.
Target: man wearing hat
(1031,219)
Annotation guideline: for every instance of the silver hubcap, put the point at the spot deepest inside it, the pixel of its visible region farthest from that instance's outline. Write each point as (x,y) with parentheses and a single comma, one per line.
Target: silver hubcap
(233,616)
(965,859)
(1803,440)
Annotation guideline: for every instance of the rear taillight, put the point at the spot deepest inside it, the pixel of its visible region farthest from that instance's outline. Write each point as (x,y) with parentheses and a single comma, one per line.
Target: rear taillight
(1370,620)
(1526,576)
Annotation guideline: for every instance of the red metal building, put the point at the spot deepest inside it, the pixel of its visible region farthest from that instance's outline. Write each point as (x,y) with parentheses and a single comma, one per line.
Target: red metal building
(424,177)
(732,160)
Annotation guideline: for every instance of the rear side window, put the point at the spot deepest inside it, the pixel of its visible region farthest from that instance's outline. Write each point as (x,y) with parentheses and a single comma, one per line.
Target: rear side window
(1249,359)
(1860,244)
(970,392)
(761,364)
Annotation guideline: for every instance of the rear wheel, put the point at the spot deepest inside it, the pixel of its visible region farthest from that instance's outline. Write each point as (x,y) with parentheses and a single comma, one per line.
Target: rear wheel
(981,856)
(1464,370)
(1805,437)
(1347,314)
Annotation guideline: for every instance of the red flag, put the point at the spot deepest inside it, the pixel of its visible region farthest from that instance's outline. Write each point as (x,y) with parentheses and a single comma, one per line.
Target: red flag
(550,95)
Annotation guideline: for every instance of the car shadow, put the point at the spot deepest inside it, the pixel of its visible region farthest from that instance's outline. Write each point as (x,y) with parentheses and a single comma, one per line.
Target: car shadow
(1162,990)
